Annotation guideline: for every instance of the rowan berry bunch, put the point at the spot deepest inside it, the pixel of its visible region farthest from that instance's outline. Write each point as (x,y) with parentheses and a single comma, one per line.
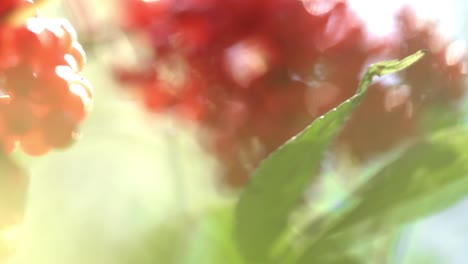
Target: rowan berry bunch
(43,96)
(257,72)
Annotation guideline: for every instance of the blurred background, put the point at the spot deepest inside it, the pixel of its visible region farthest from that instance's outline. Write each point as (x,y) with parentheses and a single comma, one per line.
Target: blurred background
(134,186)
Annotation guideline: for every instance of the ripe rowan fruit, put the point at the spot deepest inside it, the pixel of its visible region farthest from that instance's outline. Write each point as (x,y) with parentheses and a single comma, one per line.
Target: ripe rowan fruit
(44,96)
(266,69)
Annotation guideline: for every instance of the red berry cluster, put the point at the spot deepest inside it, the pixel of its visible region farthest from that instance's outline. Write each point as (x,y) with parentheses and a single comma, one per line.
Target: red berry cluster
(43,97)
(257,72)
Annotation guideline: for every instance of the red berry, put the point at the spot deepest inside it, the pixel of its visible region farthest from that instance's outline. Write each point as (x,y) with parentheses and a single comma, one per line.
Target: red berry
(34,144)
(19,116)
(77,52)
(9,6)
(43,98)
(19,80)
(58,129)
(254,73)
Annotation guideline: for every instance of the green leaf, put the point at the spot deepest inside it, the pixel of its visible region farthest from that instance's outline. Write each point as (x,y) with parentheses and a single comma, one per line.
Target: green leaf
(278,184)
(431,175)
(327,252)
(359,245)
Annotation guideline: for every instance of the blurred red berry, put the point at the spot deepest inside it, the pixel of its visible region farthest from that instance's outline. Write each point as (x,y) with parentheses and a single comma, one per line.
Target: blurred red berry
(9,6)
(265,69)
(58,129)
(47,97)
